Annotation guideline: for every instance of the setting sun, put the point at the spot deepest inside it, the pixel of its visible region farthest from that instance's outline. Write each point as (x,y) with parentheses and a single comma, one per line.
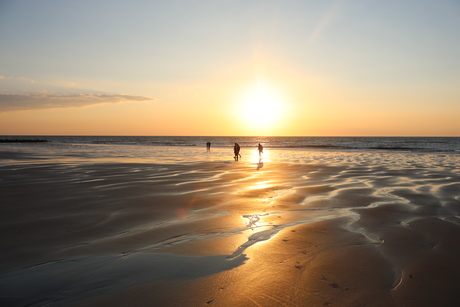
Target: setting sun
(261,107)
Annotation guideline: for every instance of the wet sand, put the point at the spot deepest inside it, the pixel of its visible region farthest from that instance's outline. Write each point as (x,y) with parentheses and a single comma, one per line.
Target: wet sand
(350,230)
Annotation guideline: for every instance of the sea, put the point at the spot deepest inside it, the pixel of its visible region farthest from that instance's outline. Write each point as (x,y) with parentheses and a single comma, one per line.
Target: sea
(167,149)
(401,144)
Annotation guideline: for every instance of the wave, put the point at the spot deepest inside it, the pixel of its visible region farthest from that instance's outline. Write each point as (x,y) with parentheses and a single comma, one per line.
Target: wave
(365,148)
(171,144)
(404,148)
(113,142)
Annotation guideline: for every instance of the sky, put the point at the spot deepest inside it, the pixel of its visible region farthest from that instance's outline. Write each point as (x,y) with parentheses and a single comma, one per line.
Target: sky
(230,67)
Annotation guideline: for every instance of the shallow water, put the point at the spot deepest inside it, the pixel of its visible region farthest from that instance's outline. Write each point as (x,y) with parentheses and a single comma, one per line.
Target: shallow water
(102,153)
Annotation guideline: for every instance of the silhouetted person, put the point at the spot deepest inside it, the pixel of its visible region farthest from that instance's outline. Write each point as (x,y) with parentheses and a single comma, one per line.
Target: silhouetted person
(260,148)
(208,146)
(236,150)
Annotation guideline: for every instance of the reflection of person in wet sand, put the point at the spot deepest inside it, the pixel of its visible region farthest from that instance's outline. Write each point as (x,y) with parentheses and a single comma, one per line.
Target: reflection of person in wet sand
(260,164)
(208,146)
(260,148)
(236,150)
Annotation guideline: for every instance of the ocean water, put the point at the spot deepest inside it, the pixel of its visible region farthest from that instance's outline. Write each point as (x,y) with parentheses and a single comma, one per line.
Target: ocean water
(388,144)
(428,151)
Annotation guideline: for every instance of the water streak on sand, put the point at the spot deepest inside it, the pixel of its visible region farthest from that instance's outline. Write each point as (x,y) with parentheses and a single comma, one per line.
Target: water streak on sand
(119,225)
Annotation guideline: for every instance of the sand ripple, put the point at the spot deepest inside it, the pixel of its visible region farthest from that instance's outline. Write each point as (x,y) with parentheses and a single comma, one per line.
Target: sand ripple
(75,231)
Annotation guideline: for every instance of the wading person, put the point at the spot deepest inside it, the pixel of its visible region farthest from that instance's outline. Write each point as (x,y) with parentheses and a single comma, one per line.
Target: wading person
(236,151)
(260,148)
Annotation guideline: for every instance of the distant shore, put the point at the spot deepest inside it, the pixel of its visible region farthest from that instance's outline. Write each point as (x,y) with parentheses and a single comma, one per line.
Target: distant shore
(22,141)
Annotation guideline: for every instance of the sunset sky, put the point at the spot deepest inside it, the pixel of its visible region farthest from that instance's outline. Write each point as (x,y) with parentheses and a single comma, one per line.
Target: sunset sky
(230,67)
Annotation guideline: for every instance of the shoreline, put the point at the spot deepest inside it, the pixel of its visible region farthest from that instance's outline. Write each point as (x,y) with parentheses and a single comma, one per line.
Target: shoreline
(105,153)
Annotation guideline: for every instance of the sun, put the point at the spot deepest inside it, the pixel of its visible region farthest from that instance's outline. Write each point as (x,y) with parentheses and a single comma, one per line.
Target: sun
(262,107)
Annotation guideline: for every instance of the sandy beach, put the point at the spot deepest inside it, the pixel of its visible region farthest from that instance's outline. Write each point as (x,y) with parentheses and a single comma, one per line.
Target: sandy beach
(294,229)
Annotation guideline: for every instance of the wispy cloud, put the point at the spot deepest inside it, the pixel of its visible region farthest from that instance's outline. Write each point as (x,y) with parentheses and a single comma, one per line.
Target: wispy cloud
(22,79)
(327,19)
(14,102)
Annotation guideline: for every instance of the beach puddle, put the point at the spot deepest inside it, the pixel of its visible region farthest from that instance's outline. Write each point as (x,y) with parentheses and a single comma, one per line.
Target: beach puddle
(64,281)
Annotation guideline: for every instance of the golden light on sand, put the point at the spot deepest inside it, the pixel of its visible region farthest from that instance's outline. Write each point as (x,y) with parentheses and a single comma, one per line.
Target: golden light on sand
(262,185)
(262,107)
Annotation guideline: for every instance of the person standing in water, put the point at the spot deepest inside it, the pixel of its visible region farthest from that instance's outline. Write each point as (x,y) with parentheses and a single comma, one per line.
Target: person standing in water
(260,148)
(208,146)
(236,151)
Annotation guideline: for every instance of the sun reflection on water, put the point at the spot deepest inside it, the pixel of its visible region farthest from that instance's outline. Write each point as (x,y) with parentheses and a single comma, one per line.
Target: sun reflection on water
(261,185)
(259,160)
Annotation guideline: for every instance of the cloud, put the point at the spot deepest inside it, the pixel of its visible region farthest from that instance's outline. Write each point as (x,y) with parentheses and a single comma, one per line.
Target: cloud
(70,84)
(23,79)
(325,21)
(26,79)
(14,102)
